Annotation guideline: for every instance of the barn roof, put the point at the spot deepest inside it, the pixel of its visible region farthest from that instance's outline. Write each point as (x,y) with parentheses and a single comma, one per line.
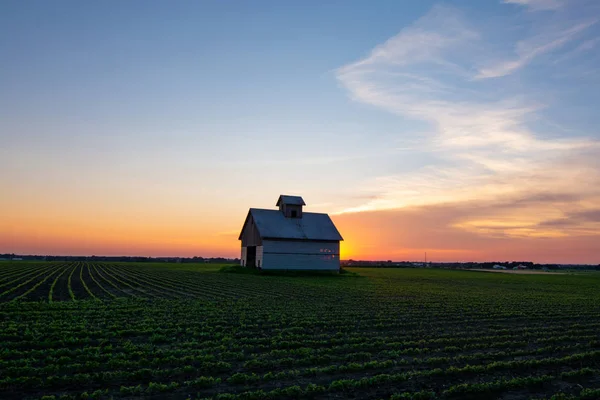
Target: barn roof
(272,224)
(286,199)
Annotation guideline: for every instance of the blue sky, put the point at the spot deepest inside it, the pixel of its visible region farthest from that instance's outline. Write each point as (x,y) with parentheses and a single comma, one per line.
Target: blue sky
(197,85)
(197,110)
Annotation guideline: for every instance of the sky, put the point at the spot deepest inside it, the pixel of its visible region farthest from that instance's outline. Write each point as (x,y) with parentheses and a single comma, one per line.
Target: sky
(464,129)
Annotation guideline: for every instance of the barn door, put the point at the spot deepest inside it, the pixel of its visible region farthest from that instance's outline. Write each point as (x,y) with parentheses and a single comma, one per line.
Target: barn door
(251,256)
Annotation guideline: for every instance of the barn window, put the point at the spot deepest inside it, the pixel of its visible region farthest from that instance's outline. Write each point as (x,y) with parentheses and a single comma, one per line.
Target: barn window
(294,214)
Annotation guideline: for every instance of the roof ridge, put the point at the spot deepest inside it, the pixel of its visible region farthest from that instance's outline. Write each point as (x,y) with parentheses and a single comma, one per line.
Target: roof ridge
(303,212)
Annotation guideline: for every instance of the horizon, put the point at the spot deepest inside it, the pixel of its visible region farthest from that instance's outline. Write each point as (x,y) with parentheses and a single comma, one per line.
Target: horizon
(467,131)
(414,261)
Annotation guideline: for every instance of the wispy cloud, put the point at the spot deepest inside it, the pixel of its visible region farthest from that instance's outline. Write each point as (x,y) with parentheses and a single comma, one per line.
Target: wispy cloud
(584,47)
(529,49)
(538,4)
(486,148)
(463,231)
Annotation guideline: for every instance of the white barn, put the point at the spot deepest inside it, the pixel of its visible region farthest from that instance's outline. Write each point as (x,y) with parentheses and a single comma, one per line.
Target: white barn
(289,238)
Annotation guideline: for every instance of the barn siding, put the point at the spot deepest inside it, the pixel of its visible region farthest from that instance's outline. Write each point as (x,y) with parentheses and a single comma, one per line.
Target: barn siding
(243,257)
(259,256)
(300,255)
(250,235)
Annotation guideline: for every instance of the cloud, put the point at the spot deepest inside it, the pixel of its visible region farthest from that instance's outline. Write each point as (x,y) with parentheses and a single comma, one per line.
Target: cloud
(405,234)
(588,45)
(479,133)
(588,215)
(538,4)
(584,47)
(441,29)
(529,49)
(587,221)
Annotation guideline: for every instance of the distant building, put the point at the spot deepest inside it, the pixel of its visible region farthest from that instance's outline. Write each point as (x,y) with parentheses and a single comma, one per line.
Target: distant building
(289,238)
(17,259)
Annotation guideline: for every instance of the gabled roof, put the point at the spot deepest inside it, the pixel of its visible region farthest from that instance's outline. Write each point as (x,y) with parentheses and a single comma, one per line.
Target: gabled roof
(272,224)
(295,200)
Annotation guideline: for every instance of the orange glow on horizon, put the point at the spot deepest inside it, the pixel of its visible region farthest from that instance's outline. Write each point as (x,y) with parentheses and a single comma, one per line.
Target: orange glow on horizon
(398,235)
(345,250)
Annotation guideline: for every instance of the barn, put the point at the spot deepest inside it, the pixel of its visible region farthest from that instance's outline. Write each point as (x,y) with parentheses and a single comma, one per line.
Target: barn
(290,238)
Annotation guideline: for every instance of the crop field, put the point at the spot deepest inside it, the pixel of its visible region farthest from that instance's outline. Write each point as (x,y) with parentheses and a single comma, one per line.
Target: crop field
(108,331)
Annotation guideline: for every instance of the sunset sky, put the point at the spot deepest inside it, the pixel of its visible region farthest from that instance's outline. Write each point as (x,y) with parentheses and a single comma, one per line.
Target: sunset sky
(466,129)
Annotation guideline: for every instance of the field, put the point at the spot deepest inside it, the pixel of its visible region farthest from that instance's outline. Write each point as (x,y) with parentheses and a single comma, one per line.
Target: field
(99,330)
(519,271)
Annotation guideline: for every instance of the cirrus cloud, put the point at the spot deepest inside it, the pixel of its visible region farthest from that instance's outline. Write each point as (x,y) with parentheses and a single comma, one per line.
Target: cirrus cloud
(482,136)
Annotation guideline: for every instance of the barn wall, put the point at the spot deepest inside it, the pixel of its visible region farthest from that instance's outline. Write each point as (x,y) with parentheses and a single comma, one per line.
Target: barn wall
(300,255)
(250,235)
(243,257)
(259,256)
